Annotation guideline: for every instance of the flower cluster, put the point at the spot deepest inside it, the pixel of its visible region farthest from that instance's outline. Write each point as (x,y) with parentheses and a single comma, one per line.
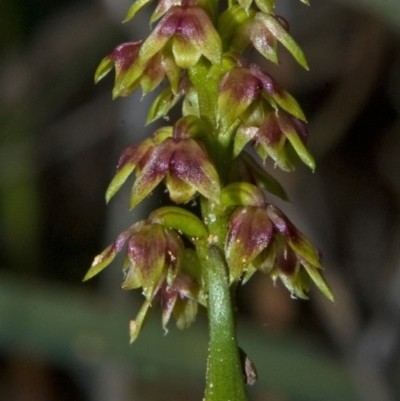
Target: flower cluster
(261,237)
(157,262)
(227,104)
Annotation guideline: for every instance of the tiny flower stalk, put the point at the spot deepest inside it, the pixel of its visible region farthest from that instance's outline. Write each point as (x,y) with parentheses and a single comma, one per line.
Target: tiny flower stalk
(185,260)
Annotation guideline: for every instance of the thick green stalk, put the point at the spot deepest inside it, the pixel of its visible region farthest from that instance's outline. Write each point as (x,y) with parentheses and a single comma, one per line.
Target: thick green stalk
(225,378)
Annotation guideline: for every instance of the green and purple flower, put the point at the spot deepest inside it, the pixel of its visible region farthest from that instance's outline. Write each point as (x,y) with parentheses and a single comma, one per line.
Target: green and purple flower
(191,34)
(182,162)
(262,237)
(130,72)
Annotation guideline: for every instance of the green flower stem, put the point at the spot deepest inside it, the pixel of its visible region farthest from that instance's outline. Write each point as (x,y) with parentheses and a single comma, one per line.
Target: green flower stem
(225,379)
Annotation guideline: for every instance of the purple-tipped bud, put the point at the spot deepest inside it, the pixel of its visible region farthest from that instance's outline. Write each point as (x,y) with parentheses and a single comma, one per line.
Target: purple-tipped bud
(250,231)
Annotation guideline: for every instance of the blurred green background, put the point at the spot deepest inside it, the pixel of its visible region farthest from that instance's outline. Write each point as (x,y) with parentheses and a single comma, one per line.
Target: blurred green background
(60,137)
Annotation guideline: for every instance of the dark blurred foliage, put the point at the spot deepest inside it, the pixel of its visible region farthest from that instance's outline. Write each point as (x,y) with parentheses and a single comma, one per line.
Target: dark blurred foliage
(60,140)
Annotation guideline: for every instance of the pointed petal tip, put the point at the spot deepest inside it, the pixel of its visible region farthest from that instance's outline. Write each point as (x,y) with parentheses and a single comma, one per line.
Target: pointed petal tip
(109,194)
(87,277)
(90,274)
(115,94)
(133,331)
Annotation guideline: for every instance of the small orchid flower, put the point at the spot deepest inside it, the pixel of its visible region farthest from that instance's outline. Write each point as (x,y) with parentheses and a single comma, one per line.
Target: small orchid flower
(183,163)
(153,251)
(263,237)
(241,26)
(192,35)
(156,262)
(277,137)
(243,87)
(130,72)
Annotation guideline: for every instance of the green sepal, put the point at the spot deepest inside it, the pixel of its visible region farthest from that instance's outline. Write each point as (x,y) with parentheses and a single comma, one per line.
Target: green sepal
(105,66)
(303,282)
(254,115)
(179,191)
(287,102)
(303,247)
(243,135)
(162,105)
(101,262)
(273,25)
(179,219)
(153,74)
(241,194)
(120,177)
(136,325)
(319,281)
(299,243)
(128,82)
(297,143)
(135,7)
(163,7)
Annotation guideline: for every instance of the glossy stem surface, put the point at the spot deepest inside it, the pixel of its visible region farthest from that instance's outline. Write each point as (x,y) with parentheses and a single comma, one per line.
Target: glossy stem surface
(225,379)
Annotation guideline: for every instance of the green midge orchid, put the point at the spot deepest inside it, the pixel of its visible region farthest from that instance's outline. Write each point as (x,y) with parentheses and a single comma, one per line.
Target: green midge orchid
(183,259)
